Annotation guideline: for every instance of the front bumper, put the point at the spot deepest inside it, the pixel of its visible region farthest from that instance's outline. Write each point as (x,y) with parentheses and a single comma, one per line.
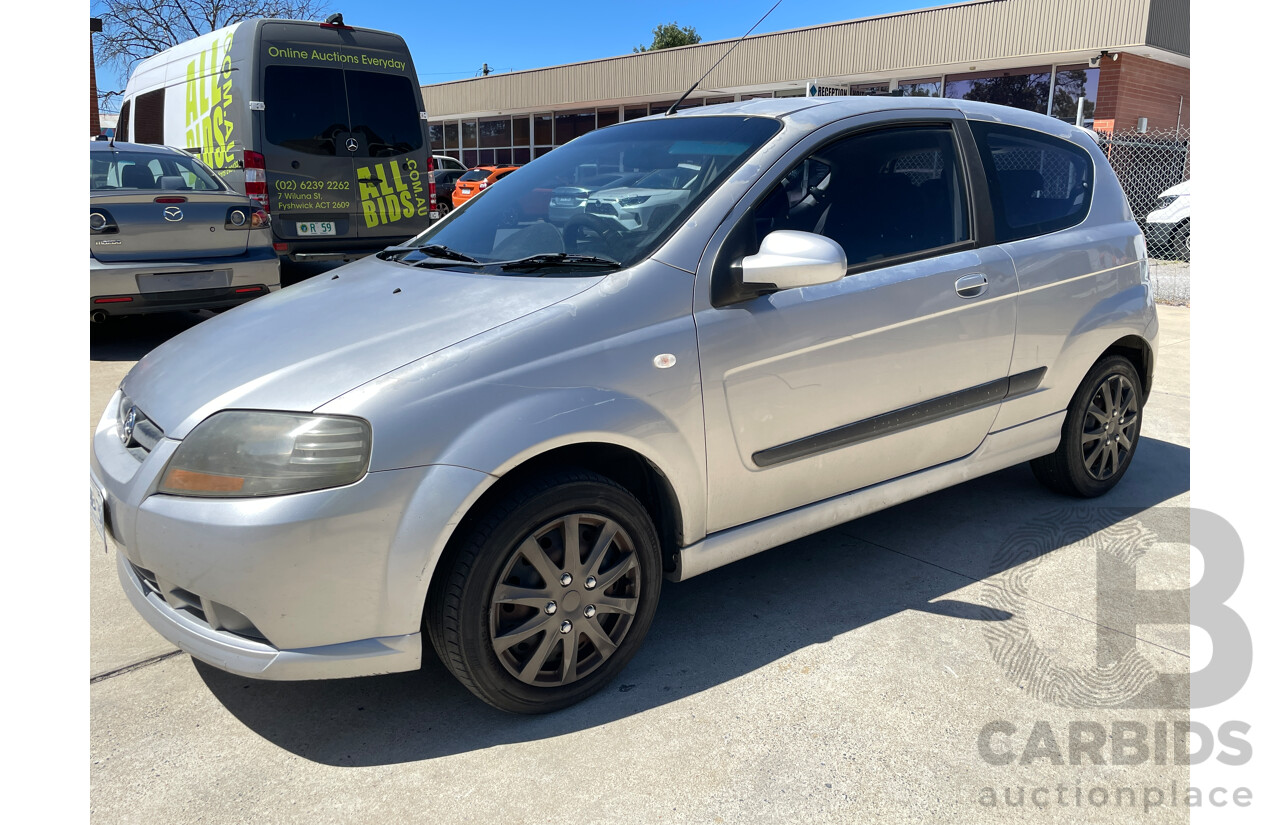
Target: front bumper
(326,584)
(246,657)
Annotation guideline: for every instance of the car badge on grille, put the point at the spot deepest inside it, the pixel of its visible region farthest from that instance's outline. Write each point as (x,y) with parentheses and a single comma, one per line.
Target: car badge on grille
(130,421)
(352,144)
(172,213)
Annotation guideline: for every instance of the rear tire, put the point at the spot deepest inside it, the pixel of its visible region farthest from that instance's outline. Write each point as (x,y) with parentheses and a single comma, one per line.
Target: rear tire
(549,594)
(1100,434)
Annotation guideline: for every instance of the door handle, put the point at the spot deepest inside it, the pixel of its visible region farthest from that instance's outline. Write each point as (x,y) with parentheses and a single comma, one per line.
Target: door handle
(971,286)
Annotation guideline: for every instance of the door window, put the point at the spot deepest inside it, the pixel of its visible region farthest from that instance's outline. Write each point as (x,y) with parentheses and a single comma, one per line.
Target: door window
(1038,183)
(881,195)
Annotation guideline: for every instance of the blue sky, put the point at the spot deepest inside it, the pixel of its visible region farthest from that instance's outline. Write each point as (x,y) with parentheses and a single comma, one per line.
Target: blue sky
(527,35)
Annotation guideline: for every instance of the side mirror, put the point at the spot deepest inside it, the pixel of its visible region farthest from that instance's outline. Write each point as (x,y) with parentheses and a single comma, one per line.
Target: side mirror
(788,259)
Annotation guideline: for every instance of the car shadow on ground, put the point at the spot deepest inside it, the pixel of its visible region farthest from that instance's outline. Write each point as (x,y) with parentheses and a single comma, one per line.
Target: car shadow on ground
(714,628)
(130,337)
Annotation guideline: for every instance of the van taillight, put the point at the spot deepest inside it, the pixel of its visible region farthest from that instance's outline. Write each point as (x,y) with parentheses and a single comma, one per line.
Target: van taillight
(431,183)
(255,179)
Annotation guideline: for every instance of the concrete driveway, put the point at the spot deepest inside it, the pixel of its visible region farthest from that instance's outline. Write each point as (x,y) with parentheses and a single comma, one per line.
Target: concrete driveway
(887,669)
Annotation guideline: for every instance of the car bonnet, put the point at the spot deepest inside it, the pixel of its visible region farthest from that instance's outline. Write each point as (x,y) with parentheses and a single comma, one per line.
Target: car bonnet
(303,346)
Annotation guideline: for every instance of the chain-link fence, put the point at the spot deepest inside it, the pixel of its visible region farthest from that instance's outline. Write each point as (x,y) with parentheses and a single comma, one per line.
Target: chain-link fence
(1148,165)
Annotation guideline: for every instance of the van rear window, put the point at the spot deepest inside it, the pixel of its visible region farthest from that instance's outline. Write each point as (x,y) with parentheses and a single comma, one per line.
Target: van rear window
(384,108)
(316,110)
(305,108)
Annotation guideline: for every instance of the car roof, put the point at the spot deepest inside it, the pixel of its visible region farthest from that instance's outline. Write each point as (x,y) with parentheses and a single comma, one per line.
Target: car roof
(818,110)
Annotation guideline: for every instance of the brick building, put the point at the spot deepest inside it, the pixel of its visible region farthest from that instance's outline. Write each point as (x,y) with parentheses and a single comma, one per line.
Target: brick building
(1104,64)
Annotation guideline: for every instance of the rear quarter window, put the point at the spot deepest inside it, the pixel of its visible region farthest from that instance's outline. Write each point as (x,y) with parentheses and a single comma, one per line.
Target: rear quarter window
(1038,183)
(148,118)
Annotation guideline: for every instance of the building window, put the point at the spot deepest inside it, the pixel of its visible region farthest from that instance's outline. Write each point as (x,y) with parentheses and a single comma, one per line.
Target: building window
(470,135)
(925,87)
(869,89)
(1071,84)
(606,117)
(633,112)
(1020,88)
(570,125)
(436,133)
(451,137)
(543,130)
(495,133)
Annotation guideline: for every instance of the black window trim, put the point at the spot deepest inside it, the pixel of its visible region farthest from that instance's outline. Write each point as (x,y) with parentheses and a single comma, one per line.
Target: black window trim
(726,281)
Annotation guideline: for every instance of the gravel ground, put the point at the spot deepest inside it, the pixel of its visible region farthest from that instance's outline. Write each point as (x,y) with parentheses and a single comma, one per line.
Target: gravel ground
(1172,280)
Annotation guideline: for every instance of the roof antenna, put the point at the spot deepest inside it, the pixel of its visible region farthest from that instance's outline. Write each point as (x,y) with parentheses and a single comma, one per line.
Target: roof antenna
(672,110)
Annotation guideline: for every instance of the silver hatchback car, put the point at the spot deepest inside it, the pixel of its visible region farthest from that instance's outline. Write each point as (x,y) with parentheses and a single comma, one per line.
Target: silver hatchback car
(503,435)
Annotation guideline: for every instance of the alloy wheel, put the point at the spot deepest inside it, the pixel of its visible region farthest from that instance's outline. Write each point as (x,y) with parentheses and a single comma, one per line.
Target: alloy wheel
(565,599)
(1109,427)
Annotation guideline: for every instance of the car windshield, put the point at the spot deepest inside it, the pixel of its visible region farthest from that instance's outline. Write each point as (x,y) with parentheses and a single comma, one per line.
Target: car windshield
(477,174)
(678,161)
(149,170)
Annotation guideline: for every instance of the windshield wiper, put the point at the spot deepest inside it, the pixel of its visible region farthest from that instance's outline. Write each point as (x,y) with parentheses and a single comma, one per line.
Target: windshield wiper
(555,259)
(436,250)
(394,252)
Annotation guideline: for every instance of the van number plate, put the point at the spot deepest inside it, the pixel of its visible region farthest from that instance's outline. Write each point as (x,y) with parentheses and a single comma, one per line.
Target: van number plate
(316,228)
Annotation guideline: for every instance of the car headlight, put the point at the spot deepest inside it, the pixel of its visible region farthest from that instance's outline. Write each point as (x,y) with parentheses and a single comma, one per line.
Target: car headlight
(249,453)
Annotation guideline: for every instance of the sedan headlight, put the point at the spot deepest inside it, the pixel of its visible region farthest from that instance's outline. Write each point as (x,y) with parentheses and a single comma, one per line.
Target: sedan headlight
(248,453)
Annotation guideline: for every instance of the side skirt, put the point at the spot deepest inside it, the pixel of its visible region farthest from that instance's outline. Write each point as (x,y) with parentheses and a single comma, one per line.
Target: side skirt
(998,450)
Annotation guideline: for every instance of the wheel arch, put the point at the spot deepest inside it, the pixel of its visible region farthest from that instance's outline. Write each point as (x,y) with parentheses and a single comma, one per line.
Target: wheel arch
(1139,353)
(631,469)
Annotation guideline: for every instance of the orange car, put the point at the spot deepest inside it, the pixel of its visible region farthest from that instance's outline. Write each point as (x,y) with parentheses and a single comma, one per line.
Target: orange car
(477,180)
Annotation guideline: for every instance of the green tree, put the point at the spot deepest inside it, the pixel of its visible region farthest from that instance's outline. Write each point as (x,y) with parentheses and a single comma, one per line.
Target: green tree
(670,34)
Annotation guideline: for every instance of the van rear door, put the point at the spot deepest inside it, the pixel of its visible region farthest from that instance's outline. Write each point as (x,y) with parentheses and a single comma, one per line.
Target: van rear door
(392,156)
(310,169)
(343,141)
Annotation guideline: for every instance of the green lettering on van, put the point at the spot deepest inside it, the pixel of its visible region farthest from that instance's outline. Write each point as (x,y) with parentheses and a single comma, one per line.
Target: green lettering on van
(208,100)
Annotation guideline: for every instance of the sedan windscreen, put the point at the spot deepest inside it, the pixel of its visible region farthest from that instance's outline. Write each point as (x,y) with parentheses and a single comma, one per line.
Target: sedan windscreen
(664,169)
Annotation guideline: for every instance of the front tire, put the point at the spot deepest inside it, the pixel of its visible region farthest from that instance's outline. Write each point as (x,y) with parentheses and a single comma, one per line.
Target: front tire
(1100,434)
(549,595)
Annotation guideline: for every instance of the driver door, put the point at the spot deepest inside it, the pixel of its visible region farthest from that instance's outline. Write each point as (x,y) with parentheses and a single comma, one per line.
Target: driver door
(816,391)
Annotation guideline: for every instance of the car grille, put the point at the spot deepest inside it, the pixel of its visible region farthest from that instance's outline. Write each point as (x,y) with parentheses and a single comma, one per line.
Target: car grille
(206,612)
(146,433)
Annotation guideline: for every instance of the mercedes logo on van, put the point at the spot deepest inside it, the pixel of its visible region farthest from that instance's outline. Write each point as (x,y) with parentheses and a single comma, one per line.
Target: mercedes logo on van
(352,144)
(126,430)
(172,213)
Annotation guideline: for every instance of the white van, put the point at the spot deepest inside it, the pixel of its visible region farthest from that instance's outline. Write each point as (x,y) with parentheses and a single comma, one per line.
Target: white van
(320,123)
